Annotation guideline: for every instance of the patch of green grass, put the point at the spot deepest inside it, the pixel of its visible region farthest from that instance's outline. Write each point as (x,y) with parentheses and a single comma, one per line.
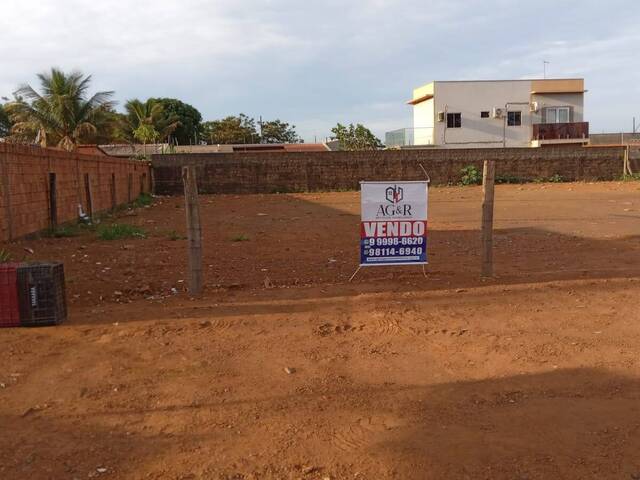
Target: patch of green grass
(5,256)
(240,238)
(143,200)
(631,178)
(116,231)
(471,176)
(173,235)
(63,231)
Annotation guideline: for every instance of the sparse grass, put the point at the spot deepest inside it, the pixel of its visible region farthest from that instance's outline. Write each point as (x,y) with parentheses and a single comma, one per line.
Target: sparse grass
(509,179)
(173,236)
(117,231)
(5,256)
(63,231)
(240,238)
(631,178)
(143,200)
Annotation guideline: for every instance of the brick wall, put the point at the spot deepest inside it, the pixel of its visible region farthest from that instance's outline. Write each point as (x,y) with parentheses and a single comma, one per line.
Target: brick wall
(24,186)
(312,171)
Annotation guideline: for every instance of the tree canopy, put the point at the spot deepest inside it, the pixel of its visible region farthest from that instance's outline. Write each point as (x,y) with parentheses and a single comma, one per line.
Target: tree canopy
(188,130)
(61,114)
(276,131)
(239,129)
(5,122)
(356,137)
(147,122)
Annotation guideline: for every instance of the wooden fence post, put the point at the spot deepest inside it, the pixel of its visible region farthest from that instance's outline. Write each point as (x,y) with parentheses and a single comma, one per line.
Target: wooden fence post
(114,196)
(89,194)
(6,192)
(194,231)
(488,180)
(53,201)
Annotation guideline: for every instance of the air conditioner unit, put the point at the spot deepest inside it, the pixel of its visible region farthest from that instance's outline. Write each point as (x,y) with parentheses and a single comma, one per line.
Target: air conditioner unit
(533,107)
(497,112)
(441,116)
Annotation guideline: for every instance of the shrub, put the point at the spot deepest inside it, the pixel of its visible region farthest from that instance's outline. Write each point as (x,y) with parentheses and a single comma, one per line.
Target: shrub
(117,231)
(143,200)
(471,176)
(555,178)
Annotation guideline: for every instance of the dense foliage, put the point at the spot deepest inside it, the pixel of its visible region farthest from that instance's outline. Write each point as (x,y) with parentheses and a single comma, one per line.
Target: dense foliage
(61,114)
(356,137)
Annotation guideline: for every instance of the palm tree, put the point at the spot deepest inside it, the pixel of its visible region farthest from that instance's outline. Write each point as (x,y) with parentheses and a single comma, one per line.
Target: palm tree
(146,122)
(62,113)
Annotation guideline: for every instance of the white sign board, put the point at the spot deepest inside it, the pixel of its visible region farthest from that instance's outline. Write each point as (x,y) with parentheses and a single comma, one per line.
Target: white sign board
(393,229)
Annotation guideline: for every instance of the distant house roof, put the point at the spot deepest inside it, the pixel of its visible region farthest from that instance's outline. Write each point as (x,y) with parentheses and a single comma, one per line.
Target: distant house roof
(126,150)
(90,150)
(131,150)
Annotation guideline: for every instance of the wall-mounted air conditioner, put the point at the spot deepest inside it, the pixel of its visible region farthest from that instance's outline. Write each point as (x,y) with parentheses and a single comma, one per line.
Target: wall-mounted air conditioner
(441,116)
(497,112)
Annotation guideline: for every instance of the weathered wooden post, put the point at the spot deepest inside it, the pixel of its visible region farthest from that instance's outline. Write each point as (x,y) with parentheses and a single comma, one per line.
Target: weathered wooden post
(488,181)
(194,231)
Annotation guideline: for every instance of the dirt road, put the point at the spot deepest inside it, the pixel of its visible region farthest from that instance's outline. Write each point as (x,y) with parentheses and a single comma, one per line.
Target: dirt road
(532,375)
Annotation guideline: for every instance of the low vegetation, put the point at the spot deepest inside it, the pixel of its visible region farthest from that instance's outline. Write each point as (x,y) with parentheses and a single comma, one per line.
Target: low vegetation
(240,238)
(117,231)
(470,176)
(5,256)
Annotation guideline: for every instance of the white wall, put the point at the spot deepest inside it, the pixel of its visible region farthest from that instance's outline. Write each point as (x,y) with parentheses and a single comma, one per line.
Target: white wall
(573,100)
(469,99)
(423,122)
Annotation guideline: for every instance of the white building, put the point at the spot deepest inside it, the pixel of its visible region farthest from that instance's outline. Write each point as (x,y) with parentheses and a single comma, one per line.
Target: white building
(495,113)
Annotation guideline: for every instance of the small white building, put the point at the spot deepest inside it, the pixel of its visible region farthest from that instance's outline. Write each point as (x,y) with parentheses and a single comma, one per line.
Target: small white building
(495,113)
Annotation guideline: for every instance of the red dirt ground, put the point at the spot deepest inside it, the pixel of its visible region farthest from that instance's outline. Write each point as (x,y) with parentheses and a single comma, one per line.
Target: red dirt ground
(533,374)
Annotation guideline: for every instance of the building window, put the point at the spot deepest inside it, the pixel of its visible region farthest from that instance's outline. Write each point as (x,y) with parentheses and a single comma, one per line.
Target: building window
(514,119)
(484,114)
(454,120)
(557,115)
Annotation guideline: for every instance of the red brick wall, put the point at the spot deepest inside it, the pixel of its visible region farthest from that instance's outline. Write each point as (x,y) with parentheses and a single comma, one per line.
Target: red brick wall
(24,186)
(265,172)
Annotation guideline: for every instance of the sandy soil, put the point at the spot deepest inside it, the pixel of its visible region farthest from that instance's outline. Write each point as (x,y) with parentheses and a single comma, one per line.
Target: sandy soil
(533,374)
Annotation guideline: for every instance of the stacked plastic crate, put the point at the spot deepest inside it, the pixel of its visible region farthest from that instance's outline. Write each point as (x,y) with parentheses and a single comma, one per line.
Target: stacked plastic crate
(9,306)
(32,294)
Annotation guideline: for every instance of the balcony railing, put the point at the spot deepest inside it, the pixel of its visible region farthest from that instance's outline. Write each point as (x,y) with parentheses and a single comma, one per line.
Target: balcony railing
(560,131)
(405,137)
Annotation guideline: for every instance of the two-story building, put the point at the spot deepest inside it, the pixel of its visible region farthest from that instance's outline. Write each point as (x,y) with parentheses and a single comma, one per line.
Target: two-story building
(495,113)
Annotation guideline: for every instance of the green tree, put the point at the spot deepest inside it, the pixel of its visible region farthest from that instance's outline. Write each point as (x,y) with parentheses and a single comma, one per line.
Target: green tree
(231,130)
(5,123)
(188,117)
(62,114)
(276,131)
(146,122)
(355,138)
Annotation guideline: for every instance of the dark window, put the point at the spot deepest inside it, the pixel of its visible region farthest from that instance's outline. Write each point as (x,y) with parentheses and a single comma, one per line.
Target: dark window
(484,114)
(454,120)
(514,119)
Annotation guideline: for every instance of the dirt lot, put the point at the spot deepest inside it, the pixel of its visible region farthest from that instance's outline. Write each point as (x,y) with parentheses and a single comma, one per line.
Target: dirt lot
(533,374)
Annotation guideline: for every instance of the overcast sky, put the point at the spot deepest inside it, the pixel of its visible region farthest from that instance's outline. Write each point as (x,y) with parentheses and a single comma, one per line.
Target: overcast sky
(315,63)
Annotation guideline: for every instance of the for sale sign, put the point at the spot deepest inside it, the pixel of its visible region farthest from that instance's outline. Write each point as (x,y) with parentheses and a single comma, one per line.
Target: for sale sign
(393,230)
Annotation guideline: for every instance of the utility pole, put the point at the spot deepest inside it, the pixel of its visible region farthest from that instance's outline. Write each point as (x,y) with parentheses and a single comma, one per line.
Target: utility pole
(544,67)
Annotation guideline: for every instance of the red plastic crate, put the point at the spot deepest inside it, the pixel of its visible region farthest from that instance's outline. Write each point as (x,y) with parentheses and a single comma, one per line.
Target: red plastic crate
(9,305)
